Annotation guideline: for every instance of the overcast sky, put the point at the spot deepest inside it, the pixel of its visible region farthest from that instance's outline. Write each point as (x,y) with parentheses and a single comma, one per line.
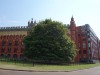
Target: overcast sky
(18,12)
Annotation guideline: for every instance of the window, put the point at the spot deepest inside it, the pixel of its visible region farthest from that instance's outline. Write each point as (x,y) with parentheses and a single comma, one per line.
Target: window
(20,36)
(78,34)
(15,56)
(89,48)
(9,55)
(84,55)
(88,34)
(3,43)
(1,37)
(16,43)
(79,51)
(3,50)
(17,36)
(84,39)
(84,45)
(78,44)
(88,44)
(15,50)
(89,51)
(80,56)
(83,34)
(4,37)
(9,43)
(88,39)
(9,49)
(2,55)
(84,51)
(21,50)
(21,56)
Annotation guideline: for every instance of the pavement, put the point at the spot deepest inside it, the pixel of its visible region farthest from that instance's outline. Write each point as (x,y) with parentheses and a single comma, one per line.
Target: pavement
(91,71)
(43,70)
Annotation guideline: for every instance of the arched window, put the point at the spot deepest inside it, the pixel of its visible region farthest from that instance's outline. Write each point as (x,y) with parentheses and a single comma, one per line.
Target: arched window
(17,36)
(9,42)
(1,37)
(9,49)
(3,43)
(2,55)
(15,50)
(7,36)
(4,37)
(21,50)
(15,56)
(21,56)
(8,55)
(20,36)
(16,43)
(3,50)
(10,36)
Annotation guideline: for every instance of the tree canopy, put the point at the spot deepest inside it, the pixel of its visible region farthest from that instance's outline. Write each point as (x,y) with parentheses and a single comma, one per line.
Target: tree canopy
(48,40)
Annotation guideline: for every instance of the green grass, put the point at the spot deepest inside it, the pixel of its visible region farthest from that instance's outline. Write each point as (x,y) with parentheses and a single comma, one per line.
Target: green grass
(20,66)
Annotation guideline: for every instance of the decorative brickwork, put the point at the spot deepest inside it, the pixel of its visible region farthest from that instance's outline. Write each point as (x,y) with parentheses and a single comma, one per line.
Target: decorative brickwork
(86,41)
(11,40)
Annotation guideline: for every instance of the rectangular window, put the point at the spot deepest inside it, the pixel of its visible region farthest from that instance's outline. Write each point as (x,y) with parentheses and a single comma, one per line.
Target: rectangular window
(88,34)
(84,51)
(78,44)
(84,39)
(3,50)
(88,44)
(84,55)
(83,34)
(84,45)
(15,50)
(3,43)
(16,43)
(9,49)
(88,39)
(10,43)
(21,50)
(89,51)
(78,34)
(79,51)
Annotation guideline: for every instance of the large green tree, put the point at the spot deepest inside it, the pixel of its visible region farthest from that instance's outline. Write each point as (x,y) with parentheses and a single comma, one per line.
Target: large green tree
(48,40)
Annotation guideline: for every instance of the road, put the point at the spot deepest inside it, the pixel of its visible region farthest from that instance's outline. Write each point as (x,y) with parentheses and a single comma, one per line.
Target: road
(92,71)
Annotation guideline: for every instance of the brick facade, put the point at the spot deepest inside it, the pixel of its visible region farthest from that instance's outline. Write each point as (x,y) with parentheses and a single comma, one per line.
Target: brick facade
(86,41)
(11,40)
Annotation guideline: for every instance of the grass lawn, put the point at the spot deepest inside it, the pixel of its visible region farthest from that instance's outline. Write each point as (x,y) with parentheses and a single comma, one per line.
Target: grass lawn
(20,66)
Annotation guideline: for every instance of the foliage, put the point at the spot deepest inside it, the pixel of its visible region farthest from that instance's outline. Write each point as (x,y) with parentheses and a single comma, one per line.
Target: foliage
(48,41)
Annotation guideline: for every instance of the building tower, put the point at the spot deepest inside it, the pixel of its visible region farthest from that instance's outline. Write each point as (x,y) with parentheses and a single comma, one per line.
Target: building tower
(74,35)
(73,29)
(30,24)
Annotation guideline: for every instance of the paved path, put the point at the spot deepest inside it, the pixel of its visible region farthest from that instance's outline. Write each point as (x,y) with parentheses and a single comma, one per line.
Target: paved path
(92,71)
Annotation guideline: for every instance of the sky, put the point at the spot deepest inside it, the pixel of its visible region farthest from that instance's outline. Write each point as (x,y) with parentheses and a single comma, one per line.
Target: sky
(19,12)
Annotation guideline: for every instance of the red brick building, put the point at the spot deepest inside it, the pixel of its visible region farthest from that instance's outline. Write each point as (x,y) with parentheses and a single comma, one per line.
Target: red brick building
(86,41)
(11,40)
